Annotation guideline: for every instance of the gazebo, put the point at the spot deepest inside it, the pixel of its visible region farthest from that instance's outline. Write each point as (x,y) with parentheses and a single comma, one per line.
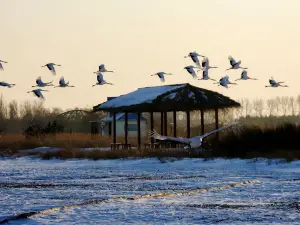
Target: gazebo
(163,99)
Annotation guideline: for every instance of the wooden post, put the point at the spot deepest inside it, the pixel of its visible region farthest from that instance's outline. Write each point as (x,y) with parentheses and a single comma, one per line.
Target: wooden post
(217,122)
(126,128)
(114,129)
(174,124)
(139,128)
(188,124)
(166,123)
(161,123)
(202,121)
(151,125)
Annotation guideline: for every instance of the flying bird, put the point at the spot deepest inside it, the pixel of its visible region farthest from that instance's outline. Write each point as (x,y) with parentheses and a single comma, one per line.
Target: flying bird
(161,75)
(1,67)
(50,66)
(194,57)
(273,83)
(62,83)
(244,76)
(194,142)
(100,80)
(38,93)
(40,83)
(235,64)
(103,69)
(4,84)
(224,81)
(191,71)
(205,64)
(205,75)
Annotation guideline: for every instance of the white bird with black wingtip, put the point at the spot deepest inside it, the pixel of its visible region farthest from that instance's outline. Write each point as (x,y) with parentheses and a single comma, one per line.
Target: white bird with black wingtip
(63,83)
(101,80)
(5,84)
(205,75)
(273,83)
(103,69)
(38,93)
(205,64)
(224,81)
(161,75)
(194,56)
(50,66)
(40,83)
(190,70)
(194,142)
(235,64)
(244,76)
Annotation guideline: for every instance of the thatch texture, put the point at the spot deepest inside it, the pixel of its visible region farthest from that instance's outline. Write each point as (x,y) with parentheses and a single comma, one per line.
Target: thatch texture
(178,97)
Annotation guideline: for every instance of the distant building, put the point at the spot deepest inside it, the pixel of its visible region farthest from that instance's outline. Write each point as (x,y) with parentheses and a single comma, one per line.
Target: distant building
(105,125)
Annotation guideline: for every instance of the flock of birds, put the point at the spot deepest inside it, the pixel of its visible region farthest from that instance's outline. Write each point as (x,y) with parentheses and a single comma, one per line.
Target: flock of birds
(62,83)
(224,81)
(204,66)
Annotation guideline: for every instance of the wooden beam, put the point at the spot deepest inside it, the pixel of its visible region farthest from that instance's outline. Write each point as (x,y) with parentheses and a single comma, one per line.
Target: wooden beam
(217,122)
(188,124)
(202,121)
(151,125)
(126,128)
(166,123)
(174,124)
(114,128)
(161,123)
(139,128)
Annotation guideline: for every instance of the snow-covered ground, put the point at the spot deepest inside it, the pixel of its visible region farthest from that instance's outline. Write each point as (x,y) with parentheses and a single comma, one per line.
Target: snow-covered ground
(29,184)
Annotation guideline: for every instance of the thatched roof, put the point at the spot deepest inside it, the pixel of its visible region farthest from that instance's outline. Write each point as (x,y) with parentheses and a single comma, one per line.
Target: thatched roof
(178,97)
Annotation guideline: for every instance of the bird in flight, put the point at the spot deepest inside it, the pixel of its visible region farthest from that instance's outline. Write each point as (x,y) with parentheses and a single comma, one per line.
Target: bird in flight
(273,83)
(1,66)
(235,64)
(205,75)
(38,93)
(4,84)
(194,56)
(224,81)
(62,83)
(103,69)
(50,66)
(194,142)
(100,80)
(191,70)
(244,76)
(205,64)
(161,75)
(40,83)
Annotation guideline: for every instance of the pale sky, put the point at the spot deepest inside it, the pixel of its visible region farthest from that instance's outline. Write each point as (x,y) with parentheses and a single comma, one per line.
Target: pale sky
(137,38)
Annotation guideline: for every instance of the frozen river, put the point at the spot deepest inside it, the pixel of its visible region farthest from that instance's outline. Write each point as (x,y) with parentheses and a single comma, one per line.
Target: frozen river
(28,184)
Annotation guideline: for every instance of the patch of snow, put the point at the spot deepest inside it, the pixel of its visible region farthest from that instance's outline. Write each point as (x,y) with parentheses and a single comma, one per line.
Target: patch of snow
(140,96)
(40,150)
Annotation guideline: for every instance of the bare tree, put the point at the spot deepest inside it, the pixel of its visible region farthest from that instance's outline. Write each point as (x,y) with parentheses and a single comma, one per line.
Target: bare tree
(271,104)
(239,110)
(13,110)
(258,107)
(277,105)
(298,102)
(247,106)
(284,104)
(292,105)
(3,108)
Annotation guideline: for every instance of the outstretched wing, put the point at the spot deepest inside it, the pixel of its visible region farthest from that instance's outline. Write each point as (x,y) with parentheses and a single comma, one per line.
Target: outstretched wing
(101,67)
(231,60)
(62,81)
(244,75)
(157,136)
(217,130)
